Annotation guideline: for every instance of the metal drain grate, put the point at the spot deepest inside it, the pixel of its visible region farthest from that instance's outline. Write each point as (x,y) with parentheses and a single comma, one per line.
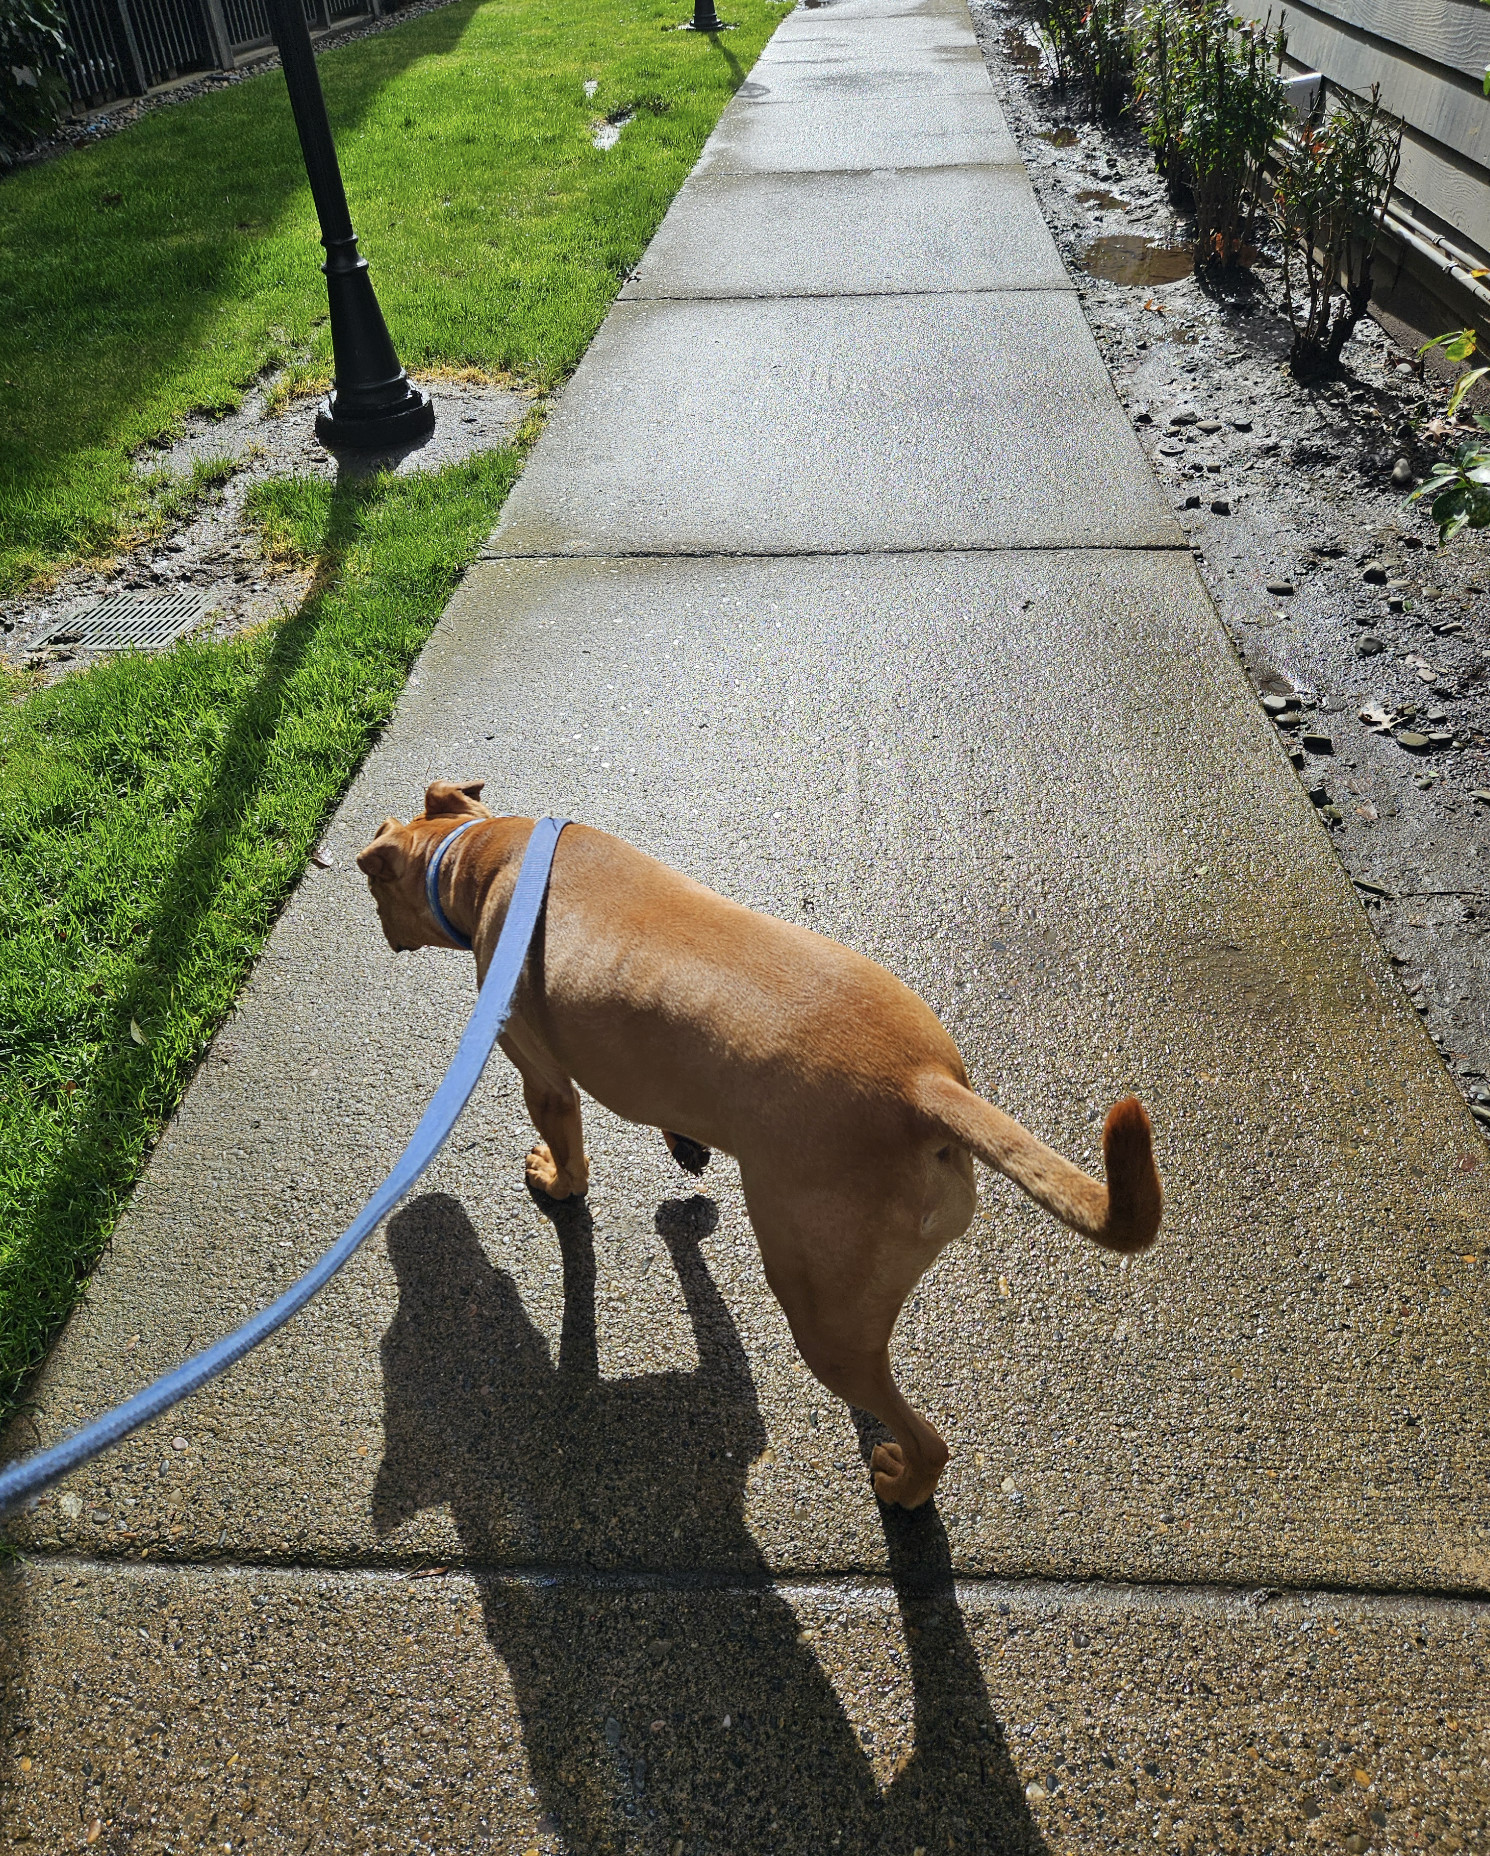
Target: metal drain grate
(128,621)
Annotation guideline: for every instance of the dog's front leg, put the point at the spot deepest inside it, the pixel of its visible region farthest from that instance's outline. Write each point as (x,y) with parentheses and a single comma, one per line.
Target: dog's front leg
(556,1165)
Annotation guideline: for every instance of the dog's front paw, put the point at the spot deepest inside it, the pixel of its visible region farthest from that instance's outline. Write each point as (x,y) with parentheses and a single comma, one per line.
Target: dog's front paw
(893,1479)
(546,1176)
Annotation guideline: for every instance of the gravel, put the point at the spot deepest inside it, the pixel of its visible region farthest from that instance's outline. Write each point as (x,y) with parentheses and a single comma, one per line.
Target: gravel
(1304,490)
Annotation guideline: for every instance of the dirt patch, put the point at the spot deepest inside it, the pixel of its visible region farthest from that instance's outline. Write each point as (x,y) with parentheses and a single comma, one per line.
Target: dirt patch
(1368,647)
(215,549)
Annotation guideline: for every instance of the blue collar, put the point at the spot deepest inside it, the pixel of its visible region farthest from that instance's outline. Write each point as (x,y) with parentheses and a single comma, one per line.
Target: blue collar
(432,884)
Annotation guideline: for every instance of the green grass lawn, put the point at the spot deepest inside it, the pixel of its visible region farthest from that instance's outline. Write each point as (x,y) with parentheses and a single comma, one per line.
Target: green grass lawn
(155,812)
(163,269)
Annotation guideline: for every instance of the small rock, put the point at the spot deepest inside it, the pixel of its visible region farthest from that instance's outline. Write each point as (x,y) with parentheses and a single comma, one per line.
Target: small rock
(1440,740)
(1209,425)
(1280,589)
(1275,705)
(1035,1793)
(1169,450)
(1220,506)
(1374,574)
(1396,603)
(1410,738)
(1369,646)
(1241,425)
(1320,794)
(1184,418)
(1316,743)
(1482,794)
(1402,475)
(1192,502)
(1143,418)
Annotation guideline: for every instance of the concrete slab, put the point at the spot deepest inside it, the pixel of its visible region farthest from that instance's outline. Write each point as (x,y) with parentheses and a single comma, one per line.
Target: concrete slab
(863,80)
(1037,789)
(222,1708)
(759,136)
(812,425)
(810,19)
(851,235)
(891,40)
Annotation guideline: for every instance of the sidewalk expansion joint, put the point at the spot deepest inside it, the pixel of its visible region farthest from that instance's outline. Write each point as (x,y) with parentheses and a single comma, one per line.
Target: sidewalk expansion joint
(1180,547)
(846,296)
(916,1587)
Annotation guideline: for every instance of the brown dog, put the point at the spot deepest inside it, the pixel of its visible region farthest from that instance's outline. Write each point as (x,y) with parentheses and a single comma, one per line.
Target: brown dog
(837,1090)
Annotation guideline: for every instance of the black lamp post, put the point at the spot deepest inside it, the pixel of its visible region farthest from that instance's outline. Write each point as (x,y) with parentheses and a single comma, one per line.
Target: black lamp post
(705,19)
(372,406)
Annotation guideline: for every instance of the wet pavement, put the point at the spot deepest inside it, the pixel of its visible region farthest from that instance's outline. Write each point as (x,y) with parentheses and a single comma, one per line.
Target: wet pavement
(536,1534)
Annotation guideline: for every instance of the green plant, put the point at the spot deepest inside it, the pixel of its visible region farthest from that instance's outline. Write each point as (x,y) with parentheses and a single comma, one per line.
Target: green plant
(1459,345)
(1331,197)
(1090,46)
(1459,488)
(1212,106)
(33,93)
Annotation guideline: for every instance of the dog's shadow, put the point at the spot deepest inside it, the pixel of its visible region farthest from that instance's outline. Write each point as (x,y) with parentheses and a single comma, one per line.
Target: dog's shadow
(624,1678)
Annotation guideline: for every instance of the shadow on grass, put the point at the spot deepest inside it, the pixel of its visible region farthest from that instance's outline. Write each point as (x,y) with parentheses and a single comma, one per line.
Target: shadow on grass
(139,253)
(130,1089)
(653,1615)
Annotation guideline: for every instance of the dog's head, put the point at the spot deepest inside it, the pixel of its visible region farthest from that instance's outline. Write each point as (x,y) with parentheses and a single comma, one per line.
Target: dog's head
(394,863)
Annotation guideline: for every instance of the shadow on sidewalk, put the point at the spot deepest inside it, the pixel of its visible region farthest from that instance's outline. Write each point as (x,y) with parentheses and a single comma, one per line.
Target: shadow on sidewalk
(624,1683)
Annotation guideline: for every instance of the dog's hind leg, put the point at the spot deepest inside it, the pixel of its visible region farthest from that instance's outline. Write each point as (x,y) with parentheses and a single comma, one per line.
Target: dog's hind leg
(556,1165)
(841,1272)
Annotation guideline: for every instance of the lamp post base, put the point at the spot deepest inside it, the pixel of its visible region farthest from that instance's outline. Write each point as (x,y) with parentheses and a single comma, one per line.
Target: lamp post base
(388,429)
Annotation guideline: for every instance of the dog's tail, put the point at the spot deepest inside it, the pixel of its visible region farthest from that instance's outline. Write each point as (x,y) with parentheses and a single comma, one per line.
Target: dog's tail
(1122,1215)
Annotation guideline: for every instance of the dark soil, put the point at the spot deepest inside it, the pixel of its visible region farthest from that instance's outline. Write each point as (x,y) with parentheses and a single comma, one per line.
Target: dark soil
(1370,643)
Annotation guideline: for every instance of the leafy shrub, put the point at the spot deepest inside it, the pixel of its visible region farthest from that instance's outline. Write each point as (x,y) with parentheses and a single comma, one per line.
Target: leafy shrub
(33,94)
(1459,489)
(1091,47)
(1212,105)
(1333,185)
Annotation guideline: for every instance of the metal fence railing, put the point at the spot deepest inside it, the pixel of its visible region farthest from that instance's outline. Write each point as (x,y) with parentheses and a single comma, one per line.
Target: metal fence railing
(123,48)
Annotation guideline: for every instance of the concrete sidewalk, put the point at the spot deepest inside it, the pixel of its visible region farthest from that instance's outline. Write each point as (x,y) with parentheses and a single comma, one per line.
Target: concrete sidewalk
(839,581)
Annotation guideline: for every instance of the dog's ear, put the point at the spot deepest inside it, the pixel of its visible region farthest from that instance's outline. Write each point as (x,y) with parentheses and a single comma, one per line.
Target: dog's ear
(446,796)
(385,858)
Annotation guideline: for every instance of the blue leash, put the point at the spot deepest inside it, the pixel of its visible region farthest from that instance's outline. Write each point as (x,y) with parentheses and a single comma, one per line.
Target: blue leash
(20,1481)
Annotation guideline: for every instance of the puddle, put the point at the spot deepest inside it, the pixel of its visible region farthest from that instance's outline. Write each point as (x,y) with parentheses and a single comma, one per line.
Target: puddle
(609,133)
(1095,196)
(1059,138)
(1125,258)
(1018,50)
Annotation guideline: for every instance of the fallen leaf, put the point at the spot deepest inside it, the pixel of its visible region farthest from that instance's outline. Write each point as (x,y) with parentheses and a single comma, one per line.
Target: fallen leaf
(135,1031)
(321,860)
